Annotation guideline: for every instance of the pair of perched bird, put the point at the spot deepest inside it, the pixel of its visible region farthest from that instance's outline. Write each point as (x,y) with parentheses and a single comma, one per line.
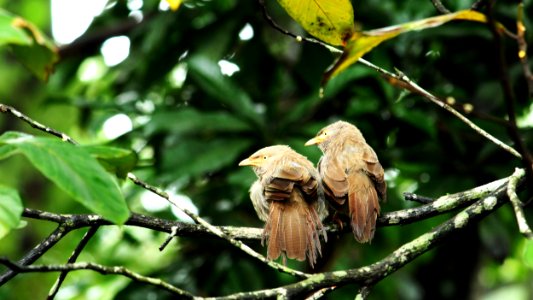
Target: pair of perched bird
(289,193)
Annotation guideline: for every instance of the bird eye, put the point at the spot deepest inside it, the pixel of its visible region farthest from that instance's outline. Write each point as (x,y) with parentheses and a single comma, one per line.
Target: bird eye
(264,157)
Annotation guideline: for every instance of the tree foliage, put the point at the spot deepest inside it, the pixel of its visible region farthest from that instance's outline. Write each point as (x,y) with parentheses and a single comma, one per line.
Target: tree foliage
(192,122)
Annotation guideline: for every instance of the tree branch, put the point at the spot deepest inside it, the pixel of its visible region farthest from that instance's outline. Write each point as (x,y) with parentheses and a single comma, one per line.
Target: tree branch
(403,81)
(509,96)
(522,48)
(105,270)
(440,205)
(417,198)
(369,275)
(517,204)
(38,250)
(322,282)
(440,7)
(86,238)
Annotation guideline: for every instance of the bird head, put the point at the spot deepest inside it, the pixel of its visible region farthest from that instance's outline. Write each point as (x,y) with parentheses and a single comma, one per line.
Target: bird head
(264,157)
(333,132)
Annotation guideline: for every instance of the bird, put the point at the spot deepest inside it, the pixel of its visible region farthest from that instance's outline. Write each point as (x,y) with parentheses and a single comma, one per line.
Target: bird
(287,197)
(351,175)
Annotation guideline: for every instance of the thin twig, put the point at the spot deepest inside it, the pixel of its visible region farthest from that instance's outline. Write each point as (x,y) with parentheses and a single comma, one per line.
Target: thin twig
(216,230)
(522,48)
(298,38)
(417,198)
(73,257)
(403,81)
(105,270)
(38,250)
(509,96)
(478,4)
(173,233)
(440,7)
(517,204)
(321,293)
(440,205)
(6,108)
(363,292)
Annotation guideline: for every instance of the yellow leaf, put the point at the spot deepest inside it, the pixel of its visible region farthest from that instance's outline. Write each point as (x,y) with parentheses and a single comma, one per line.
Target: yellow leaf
(361,43)
(174,4)
(328,20)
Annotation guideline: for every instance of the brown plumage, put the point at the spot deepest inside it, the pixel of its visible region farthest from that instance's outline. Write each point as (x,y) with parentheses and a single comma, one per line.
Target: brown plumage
(350,170)
(286,197)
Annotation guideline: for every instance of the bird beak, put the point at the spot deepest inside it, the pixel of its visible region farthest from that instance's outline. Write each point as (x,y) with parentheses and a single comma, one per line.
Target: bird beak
(248,162)
(314,141)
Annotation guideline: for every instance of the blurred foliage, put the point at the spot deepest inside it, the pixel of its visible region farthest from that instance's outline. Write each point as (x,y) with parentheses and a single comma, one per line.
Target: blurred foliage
(192,124)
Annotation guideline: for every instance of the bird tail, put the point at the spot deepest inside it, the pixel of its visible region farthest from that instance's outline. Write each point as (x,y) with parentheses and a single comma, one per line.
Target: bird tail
(364,207)
(293,229)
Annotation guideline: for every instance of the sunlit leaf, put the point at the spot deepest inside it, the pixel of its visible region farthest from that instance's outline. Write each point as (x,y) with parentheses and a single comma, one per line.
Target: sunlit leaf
(73,170)
(174,4)
(29,44)
(6,151)
(328,20)
(10,210)
(362,42)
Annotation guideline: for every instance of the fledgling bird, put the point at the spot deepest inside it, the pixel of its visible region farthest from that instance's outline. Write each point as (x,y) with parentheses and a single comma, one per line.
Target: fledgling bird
(350,170)
(286,196)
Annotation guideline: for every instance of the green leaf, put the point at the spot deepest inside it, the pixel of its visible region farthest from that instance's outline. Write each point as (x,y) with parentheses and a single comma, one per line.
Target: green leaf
(115,160)
(6,151)
(328,20)
(361,43)
(196,157)
(29,44)
(190,120)
(208,76)
(10,34)
(417,118)
(10,210)
(73,170)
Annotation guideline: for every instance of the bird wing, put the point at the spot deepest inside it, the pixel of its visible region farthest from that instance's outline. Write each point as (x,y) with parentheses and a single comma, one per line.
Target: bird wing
(334,178)
(375,171)
(280,183)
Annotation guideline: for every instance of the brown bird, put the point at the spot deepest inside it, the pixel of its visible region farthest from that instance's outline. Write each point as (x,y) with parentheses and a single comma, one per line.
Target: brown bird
(350,170)
(286,196)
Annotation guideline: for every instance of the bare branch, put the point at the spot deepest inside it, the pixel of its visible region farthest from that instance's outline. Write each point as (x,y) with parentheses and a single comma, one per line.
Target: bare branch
(440,7)
(38,250)
(517,204)
(417,198)
(105,270)
(6,108)
(509,96)
(522,48)
(403,81)
(369,275)
(81,245)
(478,4)
(298,38)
